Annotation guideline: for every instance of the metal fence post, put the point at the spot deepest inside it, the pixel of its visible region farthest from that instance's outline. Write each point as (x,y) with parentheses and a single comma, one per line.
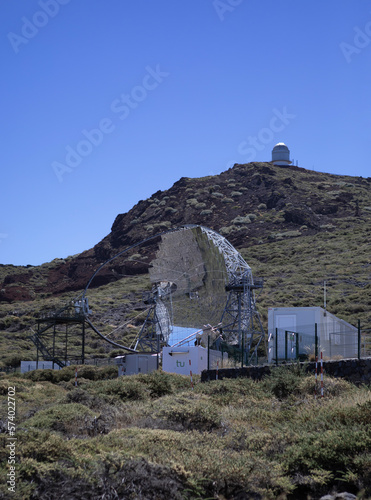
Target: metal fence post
(276,341)
(286,333)
(359,339)
(297,345)
(315,340)
(242,350)
(208,352)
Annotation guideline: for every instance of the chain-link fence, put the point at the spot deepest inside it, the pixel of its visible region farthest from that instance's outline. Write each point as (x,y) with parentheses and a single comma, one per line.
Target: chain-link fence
(307,342)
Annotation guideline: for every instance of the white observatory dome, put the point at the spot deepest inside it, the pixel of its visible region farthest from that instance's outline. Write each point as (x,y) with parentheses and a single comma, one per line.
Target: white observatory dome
(281,154)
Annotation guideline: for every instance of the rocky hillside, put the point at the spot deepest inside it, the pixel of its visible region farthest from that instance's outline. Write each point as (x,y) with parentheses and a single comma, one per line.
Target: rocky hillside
(295,228)
(252,204)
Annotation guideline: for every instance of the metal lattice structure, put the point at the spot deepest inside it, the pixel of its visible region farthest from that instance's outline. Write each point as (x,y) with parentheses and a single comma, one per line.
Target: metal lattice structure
(57,331)
(235,264)
(239,320)
(198,278)
(156,329)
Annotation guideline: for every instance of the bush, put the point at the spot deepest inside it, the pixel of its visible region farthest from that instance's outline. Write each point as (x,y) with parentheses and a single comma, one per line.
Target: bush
(284,381)
(224,392)
(191,414)
(44,446)
(332,386)
(171,210)
(13,361)
(200,206)
(192,201)
(41,375)
(132,479)
(62,418)
(124,388)
(241,220)
(159,383)
(86,372)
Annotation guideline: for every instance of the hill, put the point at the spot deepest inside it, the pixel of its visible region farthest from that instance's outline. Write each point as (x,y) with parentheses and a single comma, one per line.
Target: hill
(294,227)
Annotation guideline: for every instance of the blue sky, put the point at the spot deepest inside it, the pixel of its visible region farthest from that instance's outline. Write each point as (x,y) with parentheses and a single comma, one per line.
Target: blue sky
(105,102)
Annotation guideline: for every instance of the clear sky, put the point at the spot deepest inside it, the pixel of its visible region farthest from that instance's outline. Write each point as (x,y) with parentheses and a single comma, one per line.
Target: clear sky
(105,102)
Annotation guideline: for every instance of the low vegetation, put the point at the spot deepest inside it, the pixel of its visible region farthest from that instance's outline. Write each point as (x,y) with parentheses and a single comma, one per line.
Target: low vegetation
(153,437)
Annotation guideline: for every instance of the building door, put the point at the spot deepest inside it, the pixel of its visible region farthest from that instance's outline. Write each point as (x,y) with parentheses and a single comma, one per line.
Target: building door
(286,322)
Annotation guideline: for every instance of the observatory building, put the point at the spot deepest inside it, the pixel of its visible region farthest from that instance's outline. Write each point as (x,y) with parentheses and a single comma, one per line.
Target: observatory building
(281,154)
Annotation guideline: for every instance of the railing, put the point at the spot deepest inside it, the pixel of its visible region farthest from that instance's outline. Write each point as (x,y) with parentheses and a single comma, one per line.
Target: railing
(44,351)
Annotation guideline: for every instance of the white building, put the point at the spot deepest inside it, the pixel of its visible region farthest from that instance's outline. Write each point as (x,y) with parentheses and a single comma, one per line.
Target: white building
(281,154)
(132,364)
(184,359)
(291,332)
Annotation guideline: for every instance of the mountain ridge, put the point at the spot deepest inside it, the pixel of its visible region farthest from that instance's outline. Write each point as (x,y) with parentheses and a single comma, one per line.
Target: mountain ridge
(250,204)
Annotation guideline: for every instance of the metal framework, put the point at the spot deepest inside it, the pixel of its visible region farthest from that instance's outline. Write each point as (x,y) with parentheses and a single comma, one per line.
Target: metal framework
(240,319)
(156,329)
(236,265)
(57,331)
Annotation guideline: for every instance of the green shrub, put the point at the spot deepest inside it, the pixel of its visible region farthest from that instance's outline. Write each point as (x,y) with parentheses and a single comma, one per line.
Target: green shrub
(41,375)
(241,220)
(171,210)
(78,395)
(284,381)
(333,387)
(62,418)
(286,234)
(44,446)
(159,383)
(199,206)
(192,414)
(13,361)
(86,372)
(192,201)
(125,388)
(228,391)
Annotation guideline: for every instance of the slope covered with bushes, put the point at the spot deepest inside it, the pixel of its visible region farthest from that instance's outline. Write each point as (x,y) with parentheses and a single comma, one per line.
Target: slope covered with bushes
(153,437)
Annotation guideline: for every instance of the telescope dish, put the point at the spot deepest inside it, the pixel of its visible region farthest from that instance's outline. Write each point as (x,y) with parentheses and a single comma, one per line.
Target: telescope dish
(196,279)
